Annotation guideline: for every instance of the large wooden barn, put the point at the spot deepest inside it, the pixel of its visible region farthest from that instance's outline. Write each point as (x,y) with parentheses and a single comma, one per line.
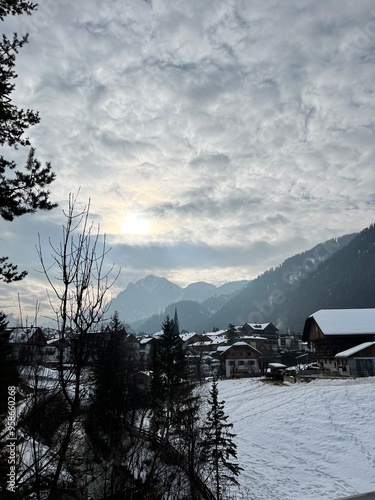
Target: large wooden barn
(333,331)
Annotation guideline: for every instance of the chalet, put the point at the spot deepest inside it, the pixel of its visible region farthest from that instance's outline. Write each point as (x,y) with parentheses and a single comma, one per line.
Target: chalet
(55,351)
(358,361)
(239,360)
(209,343)
(267,330)
(333,331)
(145,348)
(28,344)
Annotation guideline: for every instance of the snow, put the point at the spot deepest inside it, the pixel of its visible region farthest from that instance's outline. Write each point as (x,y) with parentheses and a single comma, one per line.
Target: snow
(259,326)
(305,441)
(354,350)
(345,321)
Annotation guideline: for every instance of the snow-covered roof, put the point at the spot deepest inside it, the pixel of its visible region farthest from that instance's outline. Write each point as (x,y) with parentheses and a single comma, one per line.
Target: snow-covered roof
(354,350)
(187,336)
(276,365)
(253,337)
(346,321)
(20,335)
(222,348)
(237,344)
(145,340)
(258,326)
(215,334)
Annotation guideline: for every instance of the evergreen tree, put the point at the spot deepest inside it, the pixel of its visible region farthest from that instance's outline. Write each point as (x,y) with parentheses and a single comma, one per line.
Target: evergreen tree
(218,447)
(8,365)
(8,378)
(109,400)
(21,191)
(169,372)
(231,334)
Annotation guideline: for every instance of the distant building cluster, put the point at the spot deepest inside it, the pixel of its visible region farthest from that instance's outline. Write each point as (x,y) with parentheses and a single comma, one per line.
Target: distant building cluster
(334,343)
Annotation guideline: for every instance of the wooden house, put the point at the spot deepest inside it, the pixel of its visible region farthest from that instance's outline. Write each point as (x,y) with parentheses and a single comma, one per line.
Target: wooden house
(333,331)
(28,345)
(265,330)
(239,360)
(358,361)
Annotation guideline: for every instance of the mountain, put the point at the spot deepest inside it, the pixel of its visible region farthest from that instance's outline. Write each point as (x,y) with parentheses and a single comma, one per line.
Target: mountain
(144,298)
(152,294)
(198,292)
(191,313)
(339,273)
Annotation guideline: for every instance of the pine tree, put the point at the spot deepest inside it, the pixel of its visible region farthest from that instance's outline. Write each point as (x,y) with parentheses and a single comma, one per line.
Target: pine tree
(108,405)
(8,365)
(169,372)
(231,334)
(21,191)
(218,448)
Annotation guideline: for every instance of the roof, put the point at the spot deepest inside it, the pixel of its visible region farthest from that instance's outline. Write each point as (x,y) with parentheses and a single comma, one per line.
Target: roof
(354,350)
(276,365)
(238,344)
(344,321)
(260,326)
(20,335)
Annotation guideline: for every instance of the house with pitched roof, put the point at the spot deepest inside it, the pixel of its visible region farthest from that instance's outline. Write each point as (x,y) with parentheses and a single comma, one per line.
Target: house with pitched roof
(333,331)
(28,344)
(359,361)
(239,360)
(266,330)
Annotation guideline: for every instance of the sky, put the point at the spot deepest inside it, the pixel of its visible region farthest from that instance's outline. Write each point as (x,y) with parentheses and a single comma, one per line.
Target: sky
(213,139)
(310,441)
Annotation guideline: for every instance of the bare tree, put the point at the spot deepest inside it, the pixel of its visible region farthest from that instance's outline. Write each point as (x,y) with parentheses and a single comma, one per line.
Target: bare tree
(79,281)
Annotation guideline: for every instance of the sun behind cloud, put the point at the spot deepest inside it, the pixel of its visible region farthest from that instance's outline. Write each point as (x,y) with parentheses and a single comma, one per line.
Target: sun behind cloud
(137,224)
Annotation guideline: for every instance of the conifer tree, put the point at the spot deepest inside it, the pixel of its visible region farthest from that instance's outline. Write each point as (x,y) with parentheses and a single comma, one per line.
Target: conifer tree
(21,191)
(8,365)
(219,451)
(169,372)
(231,334)
(108,405)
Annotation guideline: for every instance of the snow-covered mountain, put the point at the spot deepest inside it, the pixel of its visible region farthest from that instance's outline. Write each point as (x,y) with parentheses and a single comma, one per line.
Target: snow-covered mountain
(152,294)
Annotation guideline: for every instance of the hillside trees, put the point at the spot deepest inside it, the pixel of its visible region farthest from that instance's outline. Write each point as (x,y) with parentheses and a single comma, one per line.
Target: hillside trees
(23,190)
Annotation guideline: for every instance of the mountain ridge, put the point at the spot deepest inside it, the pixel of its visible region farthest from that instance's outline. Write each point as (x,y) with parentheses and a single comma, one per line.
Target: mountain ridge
(154,294)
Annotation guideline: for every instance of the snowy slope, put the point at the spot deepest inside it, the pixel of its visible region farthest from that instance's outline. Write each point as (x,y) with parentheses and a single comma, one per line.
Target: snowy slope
(307,441)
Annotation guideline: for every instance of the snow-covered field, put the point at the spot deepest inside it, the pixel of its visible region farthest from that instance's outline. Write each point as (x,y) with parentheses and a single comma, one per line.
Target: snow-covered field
(307,441)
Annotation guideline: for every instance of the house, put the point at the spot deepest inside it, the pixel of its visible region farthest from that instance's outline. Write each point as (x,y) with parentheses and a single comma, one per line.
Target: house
(333,331)
(208,343)
(145,348)
(359,361)
(28,344)
(239,360)
(267,330)
(57,350)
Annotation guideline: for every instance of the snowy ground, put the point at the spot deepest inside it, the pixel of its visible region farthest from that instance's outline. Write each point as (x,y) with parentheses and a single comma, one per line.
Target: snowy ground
(307,441)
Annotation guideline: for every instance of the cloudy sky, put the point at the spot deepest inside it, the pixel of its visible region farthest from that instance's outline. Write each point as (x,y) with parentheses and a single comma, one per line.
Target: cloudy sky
(214,139)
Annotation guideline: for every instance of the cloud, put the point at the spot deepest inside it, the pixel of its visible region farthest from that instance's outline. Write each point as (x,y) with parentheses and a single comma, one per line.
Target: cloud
(225,123)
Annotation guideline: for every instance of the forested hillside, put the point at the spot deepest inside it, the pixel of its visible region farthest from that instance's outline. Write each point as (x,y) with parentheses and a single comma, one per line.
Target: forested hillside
(337,274)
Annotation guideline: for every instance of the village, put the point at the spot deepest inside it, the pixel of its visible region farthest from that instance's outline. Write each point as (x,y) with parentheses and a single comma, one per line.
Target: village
(334,343)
